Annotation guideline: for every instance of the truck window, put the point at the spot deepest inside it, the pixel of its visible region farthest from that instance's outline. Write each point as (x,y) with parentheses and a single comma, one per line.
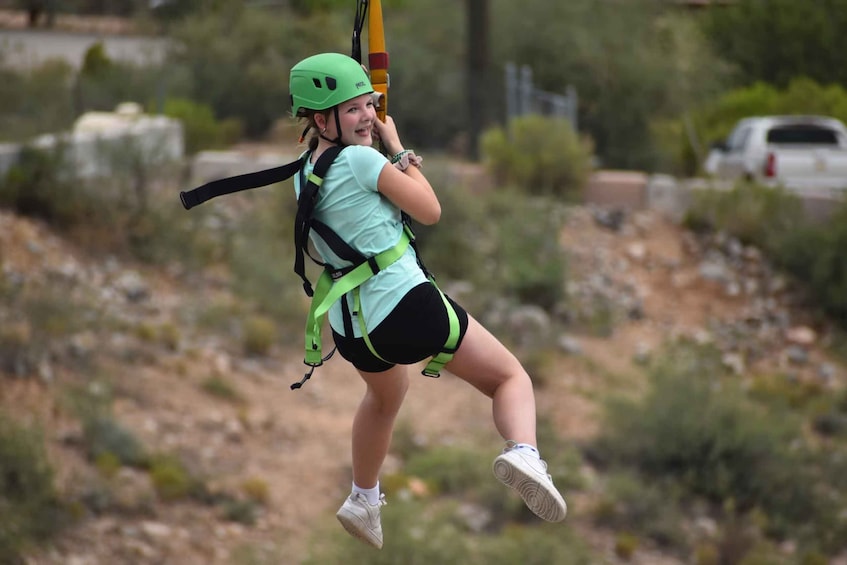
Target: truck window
(738,139)
(802,135)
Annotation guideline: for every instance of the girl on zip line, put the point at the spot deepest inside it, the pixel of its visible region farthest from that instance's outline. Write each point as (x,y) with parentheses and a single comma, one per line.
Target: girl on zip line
(398,316)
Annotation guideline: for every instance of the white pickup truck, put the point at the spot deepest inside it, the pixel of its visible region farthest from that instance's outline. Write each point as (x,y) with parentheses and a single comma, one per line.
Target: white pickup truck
(797,152)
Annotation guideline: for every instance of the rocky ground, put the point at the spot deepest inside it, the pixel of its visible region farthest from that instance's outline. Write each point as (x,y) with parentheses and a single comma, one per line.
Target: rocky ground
(662,281)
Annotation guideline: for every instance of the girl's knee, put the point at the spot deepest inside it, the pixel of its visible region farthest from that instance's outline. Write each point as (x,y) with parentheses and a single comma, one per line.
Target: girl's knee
(387,396)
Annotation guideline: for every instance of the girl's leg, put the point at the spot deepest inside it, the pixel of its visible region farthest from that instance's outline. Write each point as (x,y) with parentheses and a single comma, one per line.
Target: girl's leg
(374,422)
(486,364)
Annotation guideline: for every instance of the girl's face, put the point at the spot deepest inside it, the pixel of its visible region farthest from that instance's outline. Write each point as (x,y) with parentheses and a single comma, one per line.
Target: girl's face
(357,118)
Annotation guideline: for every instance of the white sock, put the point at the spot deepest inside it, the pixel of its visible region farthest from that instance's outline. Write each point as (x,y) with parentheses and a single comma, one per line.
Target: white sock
(372,494)
(527,448)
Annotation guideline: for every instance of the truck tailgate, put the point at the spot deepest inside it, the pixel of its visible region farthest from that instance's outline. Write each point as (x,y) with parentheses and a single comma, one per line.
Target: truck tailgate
(824,167)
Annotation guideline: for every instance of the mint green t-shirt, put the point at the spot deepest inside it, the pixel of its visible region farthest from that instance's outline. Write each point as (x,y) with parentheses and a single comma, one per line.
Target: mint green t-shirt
(349,203)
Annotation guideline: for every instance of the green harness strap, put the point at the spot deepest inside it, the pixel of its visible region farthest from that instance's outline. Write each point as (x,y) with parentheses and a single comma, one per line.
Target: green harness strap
(433,368)
(328,291)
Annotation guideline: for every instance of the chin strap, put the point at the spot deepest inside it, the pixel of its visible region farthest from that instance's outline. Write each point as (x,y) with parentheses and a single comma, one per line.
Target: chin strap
(337,140)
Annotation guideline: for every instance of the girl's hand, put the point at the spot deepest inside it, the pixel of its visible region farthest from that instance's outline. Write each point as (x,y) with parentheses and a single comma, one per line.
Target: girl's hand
(387,134)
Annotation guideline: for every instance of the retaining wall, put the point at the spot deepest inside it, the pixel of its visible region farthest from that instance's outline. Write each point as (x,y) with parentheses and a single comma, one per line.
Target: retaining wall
(635,190)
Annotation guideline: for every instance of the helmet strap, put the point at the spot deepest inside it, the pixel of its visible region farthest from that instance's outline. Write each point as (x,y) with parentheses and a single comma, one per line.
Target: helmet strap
(337,140)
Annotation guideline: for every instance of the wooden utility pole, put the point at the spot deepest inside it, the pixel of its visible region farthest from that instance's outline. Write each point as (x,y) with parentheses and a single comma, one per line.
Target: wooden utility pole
(477,72)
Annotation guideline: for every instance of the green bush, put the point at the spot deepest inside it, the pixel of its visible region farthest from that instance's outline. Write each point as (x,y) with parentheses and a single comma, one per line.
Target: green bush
(36,100)
(457,247)
(257,490)
(452,470)
(240,511)
(221,388)
(648,508)
(701,432)
(815,256)
(39,185)
(200,128)
(535,545)
(419,533)
(29,504)
(755,214)
(164,233)
(259,250)
(19,352)
(503,242)
(236,59)
(104,435)
(466,474)
(529,263)
(260,333)
(625,545)
(414,534)
(103,83)
(540,155)
(33,317)
(170,478)
(778,40)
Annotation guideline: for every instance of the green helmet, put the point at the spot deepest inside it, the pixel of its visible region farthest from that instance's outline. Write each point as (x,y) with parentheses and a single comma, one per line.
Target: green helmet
(322,81)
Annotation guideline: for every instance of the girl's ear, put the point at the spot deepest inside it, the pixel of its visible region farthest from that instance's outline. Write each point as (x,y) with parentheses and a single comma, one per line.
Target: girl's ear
(320,121)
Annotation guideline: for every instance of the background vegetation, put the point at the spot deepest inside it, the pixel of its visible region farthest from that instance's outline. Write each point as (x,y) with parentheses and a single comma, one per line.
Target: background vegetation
(656,106)
(762,460)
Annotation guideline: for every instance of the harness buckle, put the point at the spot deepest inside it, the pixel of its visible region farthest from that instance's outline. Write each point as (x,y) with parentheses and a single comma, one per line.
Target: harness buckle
(430,373)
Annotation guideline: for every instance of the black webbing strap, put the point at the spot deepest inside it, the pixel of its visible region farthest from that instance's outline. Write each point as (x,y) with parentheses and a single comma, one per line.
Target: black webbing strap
(238,183)
(305,207)
(340,247)
(344,251)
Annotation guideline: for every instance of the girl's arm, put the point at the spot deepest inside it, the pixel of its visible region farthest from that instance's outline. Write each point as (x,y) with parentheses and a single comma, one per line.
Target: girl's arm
(408,190)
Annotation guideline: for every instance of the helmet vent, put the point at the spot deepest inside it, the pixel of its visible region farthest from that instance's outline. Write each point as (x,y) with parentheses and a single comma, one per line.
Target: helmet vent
(330,83)
(317,83)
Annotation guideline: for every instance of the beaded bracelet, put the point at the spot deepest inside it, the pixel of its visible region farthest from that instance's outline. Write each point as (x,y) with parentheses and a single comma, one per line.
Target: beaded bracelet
(396,158)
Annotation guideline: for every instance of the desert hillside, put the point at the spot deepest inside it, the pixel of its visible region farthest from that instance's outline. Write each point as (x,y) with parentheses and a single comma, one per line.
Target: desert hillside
(132,328)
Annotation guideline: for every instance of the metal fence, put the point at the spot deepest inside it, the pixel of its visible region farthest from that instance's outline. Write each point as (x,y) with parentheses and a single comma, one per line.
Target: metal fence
(523,98)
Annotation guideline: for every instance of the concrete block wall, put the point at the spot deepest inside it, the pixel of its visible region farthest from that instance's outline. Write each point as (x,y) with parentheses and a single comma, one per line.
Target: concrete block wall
(97,151)
(634,190)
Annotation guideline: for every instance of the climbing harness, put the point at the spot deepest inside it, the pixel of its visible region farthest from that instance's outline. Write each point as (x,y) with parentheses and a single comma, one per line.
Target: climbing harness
(334,283)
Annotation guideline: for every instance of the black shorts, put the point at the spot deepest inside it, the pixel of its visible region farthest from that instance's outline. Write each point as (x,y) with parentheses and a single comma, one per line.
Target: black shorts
(416,329)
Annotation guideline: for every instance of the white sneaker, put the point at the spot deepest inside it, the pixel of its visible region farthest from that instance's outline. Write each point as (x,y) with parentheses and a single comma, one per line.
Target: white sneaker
(528,475)
(361,520)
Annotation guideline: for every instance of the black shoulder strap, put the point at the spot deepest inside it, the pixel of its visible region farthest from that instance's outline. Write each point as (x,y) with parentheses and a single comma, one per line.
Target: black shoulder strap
(338,245)
(305,207)
(237,183)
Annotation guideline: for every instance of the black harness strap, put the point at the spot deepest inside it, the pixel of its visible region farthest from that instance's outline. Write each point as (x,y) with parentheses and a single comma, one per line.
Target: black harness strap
(305,207)
(219,187)
(305,203)
(338,245)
